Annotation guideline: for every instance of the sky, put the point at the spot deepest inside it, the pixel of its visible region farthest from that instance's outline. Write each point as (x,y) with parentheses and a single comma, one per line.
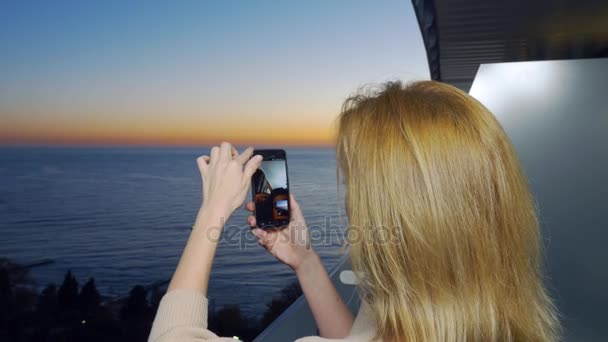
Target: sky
(195,72)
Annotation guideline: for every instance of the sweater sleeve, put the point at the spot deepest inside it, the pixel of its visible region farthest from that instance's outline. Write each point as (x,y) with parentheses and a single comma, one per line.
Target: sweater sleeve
(182,316)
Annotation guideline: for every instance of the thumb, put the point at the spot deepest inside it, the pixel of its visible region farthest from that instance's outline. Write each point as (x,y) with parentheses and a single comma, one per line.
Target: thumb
(294,207)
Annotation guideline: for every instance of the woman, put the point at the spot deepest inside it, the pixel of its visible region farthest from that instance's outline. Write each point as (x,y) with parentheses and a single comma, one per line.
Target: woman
(442,228)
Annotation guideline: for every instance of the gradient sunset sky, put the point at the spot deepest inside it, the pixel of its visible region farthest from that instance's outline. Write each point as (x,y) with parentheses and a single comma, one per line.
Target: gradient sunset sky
(194,72)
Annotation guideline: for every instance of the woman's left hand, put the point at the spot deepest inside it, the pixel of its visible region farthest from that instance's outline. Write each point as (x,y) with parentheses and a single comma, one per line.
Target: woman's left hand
(226,176)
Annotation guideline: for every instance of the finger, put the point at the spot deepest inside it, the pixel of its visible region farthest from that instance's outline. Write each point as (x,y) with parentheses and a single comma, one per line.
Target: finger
(203,164)
(244,157)
(251,220)
(250,206)
(214,155)
(294,208)
(233,152)
(259,233)
(270,237)
(263,243)
(225,151)
(252,165)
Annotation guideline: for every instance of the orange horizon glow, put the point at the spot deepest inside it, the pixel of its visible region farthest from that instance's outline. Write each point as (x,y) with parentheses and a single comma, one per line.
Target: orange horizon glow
(168,141)
(296,132)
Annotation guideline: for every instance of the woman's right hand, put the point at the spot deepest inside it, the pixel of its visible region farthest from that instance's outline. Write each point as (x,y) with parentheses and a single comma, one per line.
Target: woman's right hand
(290,245)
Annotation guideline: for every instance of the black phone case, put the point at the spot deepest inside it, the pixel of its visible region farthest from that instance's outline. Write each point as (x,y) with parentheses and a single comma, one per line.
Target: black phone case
(272,154)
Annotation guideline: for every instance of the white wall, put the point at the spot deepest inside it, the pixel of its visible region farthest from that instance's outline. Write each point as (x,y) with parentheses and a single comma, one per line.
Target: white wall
(556,113)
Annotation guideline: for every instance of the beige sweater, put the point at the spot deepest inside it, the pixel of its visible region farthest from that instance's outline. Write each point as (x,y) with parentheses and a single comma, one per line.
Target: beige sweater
(182,317)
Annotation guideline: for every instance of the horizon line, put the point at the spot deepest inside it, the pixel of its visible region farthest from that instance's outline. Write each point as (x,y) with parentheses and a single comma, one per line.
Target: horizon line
(151,145)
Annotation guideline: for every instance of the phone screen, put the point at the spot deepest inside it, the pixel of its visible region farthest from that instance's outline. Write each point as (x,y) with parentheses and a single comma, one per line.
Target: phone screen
(270,188)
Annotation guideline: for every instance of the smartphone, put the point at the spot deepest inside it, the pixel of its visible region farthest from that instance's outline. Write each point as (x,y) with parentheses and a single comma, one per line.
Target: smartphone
(270,190)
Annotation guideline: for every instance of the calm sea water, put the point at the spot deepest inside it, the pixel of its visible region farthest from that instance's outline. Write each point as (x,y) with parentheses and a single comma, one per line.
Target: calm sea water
(122,215)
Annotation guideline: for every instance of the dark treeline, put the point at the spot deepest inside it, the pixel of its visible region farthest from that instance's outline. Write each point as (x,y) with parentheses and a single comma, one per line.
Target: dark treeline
(71,312)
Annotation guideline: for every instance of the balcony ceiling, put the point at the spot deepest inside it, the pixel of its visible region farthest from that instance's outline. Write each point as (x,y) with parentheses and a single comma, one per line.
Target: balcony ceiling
(459,35)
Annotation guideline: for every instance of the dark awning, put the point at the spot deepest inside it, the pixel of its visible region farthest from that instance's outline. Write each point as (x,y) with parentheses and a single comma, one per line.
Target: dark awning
(459,35)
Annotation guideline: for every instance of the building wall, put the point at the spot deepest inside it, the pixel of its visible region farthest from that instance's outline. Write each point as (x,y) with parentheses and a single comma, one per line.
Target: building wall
(556,113)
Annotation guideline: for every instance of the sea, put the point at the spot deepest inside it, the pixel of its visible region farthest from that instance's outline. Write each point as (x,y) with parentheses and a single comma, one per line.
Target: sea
(122,216)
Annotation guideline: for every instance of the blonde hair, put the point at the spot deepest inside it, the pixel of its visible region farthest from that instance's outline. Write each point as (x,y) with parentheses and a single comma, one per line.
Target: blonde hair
(441,220)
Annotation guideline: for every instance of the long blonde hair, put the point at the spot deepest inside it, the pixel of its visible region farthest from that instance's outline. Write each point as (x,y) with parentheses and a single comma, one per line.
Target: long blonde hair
(442,223)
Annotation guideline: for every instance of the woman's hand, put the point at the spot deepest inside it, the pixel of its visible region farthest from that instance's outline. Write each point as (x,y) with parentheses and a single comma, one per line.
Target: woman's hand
(226,177)
(290,245)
